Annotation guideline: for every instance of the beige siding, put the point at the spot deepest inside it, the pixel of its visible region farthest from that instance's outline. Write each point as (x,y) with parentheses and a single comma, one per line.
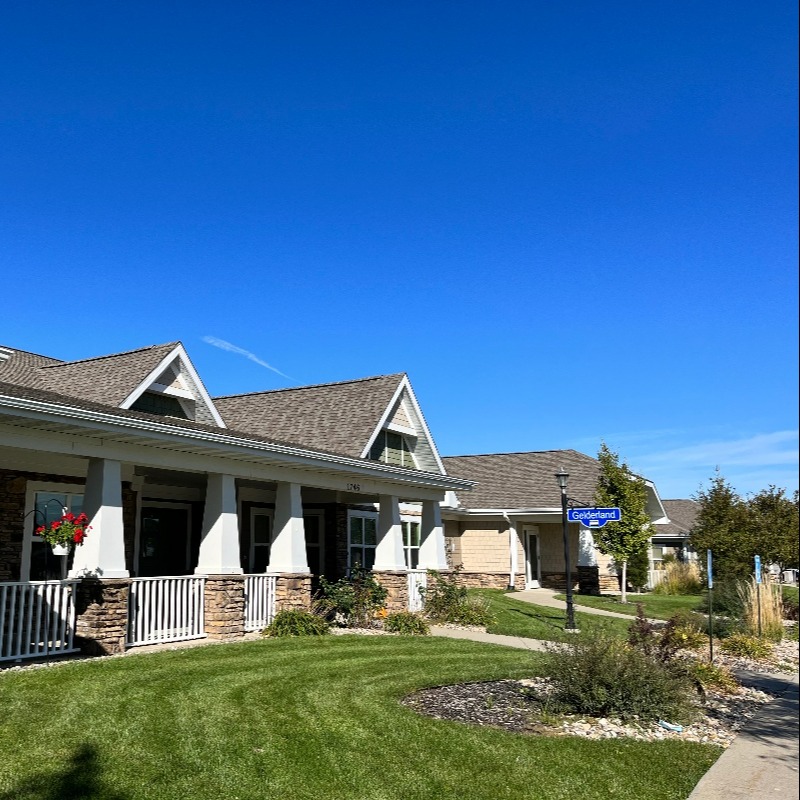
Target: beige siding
(483,547)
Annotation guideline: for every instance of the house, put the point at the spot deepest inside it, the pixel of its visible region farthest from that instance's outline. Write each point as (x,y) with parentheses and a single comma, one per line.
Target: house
(206,513)
(507,532)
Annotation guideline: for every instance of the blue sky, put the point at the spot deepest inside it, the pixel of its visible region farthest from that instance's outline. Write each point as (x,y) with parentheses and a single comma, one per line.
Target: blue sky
(567,222)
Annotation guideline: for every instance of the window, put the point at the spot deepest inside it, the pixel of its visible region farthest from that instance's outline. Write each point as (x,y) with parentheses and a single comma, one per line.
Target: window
(411,542)
(39,563)
(260,540)
(362,538)
(161,404)
(393,448)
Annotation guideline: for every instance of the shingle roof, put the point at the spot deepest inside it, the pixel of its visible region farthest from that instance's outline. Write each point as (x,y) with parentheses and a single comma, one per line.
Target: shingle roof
(524,480)
(682,517)
(337,417)
(107,379)
(22,367)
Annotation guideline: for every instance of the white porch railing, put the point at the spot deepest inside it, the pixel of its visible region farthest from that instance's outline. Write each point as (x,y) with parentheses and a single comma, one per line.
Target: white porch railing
(259,601)
(656,576)
(166,609)
(417,579)
(37,618)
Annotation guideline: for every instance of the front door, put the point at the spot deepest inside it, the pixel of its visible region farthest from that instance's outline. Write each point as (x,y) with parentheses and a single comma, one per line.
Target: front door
(532,559)
(164,540)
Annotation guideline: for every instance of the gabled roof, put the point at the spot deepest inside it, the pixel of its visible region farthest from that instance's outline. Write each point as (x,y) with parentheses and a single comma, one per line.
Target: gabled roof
(524,480)
(682,517)
(107,379)
(115,380)
(338,417)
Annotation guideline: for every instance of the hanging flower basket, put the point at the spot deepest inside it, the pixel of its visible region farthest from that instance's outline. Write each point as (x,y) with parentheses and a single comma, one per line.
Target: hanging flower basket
(64,533)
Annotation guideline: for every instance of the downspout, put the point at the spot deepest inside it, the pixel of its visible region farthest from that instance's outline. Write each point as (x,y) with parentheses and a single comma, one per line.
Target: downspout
(512,552)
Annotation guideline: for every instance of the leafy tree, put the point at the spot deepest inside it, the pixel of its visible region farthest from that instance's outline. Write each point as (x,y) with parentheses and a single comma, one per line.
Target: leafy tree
(723,527)
(774,523)
(618,486)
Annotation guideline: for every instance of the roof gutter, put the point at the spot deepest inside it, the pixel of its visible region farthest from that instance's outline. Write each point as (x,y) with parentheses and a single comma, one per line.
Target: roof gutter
(141,426)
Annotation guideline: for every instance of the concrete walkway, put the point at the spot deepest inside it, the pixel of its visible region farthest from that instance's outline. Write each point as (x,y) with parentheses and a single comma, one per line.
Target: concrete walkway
(761,762)
(547,597)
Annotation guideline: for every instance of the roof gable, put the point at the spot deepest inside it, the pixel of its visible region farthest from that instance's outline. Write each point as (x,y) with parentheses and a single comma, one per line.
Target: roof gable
(335,417)
(174,376)
(403,415)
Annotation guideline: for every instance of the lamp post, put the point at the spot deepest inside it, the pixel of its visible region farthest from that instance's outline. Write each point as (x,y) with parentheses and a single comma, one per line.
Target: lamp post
(562,477)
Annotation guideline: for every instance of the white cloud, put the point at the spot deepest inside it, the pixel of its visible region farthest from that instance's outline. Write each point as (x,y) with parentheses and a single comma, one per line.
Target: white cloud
(232,348)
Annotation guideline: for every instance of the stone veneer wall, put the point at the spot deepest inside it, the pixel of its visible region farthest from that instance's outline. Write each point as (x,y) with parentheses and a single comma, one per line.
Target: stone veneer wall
(223,604)
(490,580)
(101,608)
(293,590)
(396,584)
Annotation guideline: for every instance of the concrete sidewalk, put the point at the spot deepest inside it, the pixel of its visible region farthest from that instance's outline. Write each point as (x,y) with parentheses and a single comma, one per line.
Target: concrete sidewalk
(763,759)
(547,597)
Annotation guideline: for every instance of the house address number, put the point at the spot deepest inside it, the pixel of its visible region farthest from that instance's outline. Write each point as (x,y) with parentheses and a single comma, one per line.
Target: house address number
(353,487)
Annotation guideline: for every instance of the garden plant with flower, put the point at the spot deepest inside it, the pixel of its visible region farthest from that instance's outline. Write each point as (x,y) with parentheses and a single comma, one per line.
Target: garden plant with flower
(67,530)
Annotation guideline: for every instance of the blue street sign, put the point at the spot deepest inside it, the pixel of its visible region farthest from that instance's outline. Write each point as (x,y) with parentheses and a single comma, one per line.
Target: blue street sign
(758,569)
(710,575)
(594,517)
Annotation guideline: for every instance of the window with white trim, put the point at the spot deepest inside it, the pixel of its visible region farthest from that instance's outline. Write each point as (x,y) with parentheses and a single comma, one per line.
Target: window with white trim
(411,537)
(362,537)
(394,448)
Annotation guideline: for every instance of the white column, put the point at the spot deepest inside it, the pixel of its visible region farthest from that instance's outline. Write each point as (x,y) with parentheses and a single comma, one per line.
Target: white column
(587,555)
(102,554)
(219,547)
(513,538)
(389,549)
(432,553)
(288,550)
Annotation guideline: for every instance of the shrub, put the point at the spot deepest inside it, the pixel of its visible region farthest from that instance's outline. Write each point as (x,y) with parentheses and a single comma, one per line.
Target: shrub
(690,629)
(352,602)
(764,602)
(406,623)
(447,600)
(601,675)
(296,622)
(679,578)
(712,676)
(790,606)
(726,600)
(740,644)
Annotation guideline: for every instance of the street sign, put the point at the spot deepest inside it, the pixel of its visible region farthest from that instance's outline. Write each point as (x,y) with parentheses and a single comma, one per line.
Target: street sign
(708,569)
(758,569)
(594,517)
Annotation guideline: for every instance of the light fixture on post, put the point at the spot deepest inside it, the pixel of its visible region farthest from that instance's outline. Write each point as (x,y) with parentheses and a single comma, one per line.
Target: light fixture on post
(562,477)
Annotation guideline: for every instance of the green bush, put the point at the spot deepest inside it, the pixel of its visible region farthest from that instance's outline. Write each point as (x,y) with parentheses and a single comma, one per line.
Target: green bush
(712,676)
(353,601)
(740,644)
(406,623)
(726,600)
(447,600)
(790,606)
(296,622)
(602,676)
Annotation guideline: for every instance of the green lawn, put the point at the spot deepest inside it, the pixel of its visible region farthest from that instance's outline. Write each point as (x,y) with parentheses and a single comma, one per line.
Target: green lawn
(656,606)
(519,618)
(303,718)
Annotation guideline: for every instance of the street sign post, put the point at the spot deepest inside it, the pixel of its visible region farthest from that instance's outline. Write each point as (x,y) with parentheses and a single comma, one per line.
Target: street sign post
(594,517)
(758,591)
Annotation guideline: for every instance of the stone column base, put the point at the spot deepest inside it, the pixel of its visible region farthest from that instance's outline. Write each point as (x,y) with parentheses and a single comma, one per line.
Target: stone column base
(293,590)
(589,581)
(223,604)
(101,615)
(396,584)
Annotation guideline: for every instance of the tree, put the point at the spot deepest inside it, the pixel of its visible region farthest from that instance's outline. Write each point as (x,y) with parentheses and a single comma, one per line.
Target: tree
(617,486)
(723,526)
(773,522)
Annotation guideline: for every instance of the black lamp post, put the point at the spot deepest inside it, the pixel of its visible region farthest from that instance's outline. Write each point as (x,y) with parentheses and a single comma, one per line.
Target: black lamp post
(561,477)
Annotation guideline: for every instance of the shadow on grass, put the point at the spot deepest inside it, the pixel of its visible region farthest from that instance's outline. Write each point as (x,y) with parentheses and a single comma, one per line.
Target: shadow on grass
(79,779)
